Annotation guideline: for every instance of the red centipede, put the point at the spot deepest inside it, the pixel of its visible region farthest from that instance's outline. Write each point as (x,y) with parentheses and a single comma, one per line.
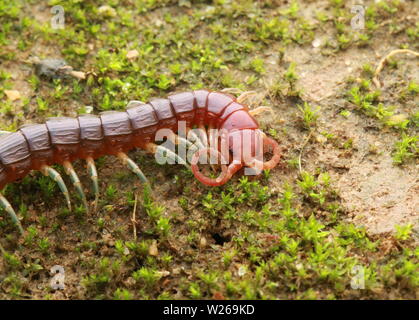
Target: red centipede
(63,140)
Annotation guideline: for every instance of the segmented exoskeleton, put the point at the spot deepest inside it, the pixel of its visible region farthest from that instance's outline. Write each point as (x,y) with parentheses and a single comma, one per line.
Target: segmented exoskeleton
(64,140)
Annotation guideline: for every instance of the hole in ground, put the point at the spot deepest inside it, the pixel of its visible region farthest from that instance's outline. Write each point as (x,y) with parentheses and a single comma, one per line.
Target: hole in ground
(220,239)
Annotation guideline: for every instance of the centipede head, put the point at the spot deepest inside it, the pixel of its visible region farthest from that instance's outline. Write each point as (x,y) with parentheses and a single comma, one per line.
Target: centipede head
(237,149)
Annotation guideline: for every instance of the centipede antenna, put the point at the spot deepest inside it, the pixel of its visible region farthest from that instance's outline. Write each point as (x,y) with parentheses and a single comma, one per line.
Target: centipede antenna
(53,174)
(76,182)
(132,166)
(91,167)
(9,209)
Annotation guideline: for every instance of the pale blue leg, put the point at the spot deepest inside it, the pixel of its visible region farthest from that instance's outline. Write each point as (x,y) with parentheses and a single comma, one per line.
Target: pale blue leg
(132,166)
(8,208)
(53,174)
(76,182)
(94,176)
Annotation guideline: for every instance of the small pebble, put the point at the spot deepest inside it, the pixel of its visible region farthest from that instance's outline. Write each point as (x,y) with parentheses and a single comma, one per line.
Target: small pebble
(316,43)
(203,242)
(153,250)
(51,68)
(12,95)
(132,54)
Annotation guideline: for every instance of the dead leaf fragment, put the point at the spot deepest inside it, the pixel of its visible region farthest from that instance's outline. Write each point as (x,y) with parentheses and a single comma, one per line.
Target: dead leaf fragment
(78,74)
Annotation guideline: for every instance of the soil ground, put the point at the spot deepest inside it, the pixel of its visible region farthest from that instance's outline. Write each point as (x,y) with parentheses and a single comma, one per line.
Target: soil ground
(345,194)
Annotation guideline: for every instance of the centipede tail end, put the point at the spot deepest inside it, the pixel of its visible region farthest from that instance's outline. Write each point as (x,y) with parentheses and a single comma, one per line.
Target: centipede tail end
(226,171)
(269,142)
(268,145)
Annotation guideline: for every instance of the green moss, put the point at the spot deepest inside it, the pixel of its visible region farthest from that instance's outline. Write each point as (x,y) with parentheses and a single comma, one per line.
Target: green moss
(405,149)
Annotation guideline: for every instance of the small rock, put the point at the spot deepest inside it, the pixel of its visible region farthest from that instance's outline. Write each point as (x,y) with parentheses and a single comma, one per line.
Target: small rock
(316,43)
(203,242)
(132,54)
(52,68)
(153,250)
(57,69)
(12,95)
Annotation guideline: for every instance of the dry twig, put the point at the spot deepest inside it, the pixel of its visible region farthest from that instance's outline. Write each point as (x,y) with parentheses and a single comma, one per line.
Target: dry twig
(383,61)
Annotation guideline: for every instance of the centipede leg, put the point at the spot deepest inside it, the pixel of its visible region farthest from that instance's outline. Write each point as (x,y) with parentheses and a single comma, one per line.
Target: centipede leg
(76,182)
(203,135)
(53,174)
(196,139)
(184,143)
(176,139)
(91,167)
(9,209)
(156,149)
(132,166)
